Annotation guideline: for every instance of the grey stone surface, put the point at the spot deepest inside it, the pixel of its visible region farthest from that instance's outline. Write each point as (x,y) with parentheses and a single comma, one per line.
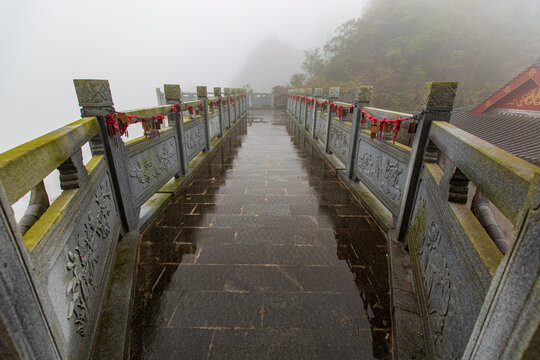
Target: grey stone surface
(408,337)
(507,326)
(172,92)
(93,93)
(112,332)
(249,248)
(23,326)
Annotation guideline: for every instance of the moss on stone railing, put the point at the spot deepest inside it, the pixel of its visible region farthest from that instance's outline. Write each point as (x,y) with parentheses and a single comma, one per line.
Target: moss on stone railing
(23,167)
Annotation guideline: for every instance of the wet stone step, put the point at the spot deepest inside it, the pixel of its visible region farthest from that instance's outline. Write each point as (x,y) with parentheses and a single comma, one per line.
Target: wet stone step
(264,255)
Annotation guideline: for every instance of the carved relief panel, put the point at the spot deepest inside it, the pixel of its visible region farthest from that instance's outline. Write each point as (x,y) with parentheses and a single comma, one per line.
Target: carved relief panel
(381,172)
(74,276)
(320,130)
(214,127)
(447,282)
(195,140)
(339,140)
(152,166)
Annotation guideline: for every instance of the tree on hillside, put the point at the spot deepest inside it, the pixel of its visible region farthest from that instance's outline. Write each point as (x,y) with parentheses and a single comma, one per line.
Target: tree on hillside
(398,45)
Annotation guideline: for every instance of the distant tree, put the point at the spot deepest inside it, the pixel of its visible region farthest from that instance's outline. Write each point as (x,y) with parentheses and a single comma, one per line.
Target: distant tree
(297,80)
(313,62)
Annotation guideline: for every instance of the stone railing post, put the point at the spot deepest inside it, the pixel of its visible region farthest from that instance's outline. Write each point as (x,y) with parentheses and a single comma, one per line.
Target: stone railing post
(95,99)
(172,95)
(308,92)
(202,95)
(236,104)
(160,97)
(217,95)
(289,101)
(318,94)
(296,93)
(227,93)
(302,105)
(361,99)
(438,103)
(333,95)
(232,101)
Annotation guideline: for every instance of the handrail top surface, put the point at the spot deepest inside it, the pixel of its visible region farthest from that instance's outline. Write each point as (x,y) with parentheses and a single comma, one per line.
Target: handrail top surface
(24,166)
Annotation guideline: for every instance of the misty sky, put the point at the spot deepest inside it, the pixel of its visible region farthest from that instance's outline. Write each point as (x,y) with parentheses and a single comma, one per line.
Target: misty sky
(138,46)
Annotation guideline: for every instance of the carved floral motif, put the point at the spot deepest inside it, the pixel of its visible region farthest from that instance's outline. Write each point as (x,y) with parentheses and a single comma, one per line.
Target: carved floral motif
(146,171)
(442,306)
(339,140)
(391,173)
(437,282)
(214,127)
(320,130)
(386,176)
(83,258)
(195,139)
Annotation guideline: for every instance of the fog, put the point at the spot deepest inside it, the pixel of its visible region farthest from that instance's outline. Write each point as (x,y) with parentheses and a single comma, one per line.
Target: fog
(140,45)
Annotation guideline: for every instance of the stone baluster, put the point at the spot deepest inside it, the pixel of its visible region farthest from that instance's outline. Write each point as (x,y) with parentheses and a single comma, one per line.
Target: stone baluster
(308,92)
(73,174)
(227,93)
(217,95)
(362,99)
(438,103)
(95,99)
(160,97)
(333,95)
(454,184)
(203,95)
(318,95)
(172,95)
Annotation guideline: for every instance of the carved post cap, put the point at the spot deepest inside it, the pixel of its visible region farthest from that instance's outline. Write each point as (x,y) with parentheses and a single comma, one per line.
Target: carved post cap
(309,91)
(201,91)
(333,92)
(171,92)
(363,94)
(318,92)
(93,93)
(227,91)
(440,96)
(217,91)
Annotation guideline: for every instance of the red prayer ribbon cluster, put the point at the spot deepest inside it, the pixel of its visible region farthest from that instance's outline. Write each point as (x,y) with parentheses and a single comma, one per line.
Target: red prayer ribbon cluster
(344,110)
(382,122)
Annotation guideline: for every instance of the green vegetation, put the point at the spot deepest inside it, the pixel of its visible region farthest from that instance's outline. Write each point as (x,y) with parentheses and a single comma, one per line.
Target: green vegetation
(398,45)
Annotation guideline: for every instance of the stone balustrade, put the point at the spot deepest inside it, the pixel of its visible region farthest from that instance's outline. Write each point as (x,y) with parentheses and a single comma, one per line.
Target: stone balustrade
(418,192)
(59,271)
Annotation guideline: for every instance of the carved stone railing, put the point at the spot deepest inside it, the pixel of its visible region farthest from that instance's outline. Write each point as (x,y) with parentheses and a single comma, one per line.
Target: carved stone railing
(379,164)
(467,300)
(54,277)
(455,260)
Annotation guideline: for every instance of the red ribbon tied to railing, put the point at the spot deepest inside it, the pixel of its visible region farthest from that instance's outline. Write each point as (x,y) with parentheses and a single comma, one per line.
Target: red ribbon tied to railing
(396,122)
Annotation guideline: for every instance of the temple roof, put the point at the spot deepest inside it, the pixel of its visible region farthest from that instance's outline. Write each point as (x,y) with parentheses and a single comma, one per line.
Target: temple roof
(510,117)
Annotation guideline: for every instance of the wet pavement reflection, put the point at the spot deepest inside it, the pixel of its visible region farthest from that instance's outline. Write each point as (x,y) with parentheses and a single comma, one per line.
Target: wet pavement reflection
(264,255)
